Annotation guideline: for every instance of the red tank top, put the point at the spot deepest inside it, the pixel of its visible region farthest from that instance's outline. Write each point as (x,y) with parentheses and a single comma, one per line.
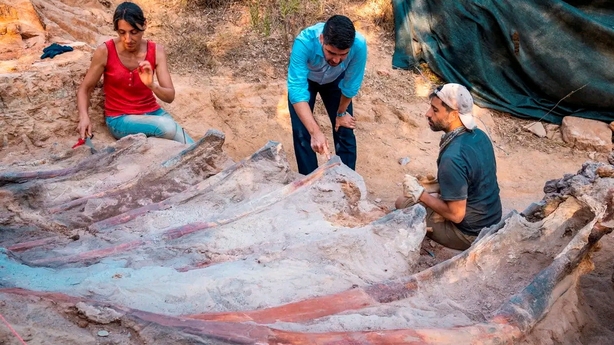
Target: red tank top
(124,91)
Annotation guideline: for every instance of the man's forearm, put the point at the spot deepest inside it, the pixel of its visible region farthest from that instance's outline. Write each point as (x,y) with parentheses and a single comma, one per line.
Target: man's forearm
(454,213)
(306,116)
(344,103)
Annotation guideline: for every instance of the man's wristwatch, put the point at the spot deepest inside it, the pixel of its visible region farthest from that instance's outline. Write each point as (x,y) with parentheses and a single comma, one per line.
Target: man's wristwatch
(342,114)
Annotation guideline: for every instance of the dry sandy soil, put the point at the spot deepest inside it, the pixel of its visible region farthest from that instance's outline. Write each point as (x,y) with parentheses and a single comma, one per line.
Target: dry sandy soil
(240,90)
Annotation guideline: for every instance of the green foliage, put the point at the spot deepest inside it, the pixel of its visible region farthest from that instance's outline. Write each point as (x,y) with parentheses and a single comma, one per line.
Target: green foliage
(199,4)
(254,13)
(194,38)
(284,17)
(267,22)
(261,16)
(208,3)
(288,8)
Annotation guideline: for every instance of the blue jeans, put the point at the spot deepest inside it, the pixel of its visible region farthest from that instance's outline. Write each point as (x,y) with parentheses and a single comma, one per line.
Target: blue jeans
(157,124)
(344,139)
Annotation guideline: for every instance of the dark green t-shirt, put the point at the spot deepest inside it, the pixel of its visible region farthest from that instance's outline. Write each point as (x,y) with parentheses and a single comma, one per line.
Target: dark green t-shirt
(467,169)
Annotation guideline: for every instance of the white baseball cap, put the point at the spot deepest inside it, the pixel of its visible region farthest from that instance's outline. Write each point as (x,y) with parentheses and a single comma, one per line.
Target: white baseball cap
(458,98)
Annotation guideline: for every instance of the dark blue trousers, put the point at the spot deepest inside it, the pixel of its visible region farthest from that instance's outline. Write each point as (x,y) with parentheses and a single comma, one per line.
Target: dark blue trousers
(344,139)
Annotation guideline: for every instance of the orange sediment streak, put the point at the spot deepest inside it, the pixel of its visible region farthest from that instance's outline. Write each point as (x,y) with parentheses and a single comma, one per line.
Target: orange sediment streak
(497,332)
(300,311)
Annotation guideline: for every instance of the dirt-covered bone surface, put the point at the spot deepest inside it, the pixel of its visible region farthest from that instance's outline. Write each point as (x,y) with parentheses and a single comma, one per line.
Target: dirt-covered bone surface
(194,244)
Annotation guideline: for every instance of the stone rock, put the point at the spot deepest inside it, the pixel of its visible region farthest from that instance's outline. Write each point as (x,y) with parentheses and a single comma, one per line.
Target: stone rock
(537,128)
(592,155)
(97,314)
(586,134)
(38,97)
(20,28)
(41,102)
(552,130)
(27,27)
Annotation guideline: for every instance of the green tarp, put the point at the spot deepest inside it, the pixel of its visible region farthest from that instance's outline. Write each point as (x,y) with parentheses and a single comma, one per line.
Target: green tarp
(517,56)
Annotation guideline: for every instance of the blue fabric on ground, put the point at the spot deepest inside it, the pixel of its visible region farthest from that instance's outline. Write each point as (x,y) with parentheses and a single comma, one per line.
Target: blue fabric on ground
(55,49)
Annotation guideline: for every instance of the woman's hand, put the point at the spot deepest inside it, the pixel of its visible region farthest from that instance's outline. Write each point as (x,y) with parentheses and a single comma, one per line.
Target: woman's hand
(84,127)
(146,73)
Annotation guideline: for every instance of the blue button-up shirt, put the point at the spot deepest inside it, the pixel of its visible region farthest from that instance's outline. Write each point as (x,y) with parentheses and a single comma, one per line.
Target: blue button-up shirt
(307,62)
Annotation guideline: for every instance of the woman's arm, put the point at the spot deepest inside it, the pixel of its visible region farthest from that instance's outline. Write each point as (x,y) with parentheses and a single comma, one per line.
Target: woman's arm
(84,92)
(164,89)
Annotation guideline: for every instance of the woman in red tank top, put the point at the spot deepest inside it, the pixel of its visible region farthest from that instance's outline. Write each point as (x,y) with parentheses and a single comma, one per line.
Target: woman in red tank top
(128,64)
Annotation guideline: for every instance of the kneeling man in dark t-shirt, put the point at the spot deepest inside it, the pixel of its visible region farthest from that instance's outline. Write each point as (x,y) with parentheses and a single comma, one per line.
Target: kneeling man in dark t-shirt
(466,171)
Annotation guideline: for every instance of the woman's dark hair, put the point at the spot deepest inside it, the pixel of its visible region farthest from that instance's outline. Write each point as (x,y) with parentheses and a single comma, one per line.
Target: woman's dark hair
(339,32)
(131,13)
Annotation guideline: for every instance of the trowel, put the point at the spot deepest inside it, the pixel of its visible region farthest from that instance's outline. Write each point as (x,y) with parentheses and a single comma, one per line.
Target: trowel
(88,142)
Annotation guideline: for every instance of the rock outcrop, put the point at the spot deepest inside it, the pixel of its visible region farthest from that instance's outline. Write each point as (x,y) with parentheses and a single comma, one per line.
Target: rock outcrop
(38,97)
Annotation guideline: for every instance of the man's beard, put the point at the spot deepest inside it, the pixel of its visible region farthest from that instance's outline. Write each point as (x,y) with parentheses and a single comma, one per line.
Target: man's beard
(436,126)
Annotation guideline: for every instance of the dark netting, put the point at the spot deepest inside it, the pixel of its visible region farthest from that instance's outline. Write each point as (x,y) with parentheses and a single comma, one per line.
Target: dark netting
(521,57)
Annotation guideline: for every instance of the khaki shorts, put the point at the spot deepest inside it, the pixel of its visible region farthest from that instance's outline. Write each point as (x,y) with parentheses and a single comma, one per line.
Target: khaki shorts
(445,232)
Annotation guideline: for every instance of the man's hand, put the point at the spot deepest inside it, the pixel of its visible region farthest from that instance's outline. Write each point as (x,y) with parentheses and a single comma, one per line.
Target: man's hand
(429,182)
(146,73)
(346,120)
(84,127)
(319,144)
(412,189)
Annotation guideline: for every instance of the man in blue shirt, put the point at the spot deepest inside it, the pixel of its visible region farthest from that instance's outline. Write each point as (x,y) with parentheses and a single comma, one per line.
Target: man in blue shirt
(466,171)
(329,59)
